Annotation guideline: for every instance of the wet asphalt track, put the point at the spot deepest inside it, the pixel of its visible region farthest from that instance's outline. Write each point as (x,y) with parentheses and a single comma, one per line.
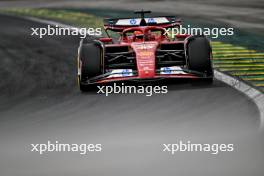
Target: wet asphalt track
(39,102)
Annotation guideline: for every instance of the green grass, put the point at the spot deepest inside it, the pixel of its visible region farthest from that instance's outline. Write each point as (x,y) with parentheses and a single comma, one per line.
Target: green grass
(79,19)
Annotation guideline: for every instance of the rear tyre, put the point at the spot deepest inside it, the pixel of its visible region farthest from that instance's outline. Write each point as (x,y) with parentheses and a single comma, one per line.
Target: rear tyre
(199,54)
(90,64)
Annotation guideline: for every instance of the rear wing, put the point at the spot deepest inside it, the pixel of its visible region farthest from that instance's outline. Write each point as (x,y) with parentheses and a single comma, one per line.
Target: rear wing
(119,24)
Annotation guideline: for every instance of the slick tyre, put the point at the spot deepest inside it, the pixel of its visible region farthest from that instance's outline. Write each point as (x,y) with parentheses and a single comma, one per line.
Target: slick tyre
(90,64)
(199,54)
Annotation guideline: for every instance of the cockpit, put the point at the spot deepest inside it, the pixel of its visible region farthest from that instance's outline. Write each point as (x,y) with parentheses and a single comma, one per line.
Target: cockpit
(143,34)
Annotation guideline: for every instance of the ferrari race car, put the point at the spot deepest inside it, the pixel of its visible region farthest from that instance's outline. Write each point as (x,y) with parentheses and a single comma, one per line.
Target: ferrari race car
(143,51)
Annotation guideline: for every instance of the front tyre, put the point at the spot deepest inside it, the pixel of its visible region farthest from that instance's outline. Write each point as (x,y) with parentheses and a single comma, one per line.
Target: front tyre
(199,57)
(90,64)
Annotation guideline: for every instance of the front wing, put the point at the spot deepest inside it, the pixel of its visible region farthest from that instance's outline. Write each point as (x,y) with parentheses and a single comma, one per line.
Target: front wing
(117,75)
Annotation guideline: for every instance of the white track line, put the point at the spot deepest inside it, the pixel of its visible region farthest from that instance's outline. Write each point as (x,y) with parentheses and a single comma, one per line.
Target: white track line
(255,95)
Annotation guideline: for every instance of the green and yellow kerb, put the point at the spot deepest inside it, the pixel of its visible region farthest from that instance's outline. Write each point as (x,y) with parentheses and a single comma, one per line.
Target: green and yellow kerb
(239,61)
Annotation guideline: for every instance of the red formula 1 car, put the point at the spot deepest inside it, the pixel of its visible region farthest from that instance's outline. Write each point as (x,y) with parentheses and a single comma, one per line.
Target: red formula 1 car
(144,51)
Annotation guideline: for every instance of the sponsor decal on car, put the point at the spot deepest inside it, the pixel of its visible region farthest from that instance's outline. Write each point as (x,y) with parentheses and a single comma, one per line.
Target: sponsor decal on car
(171,70)
(120,73)
(145,46)
(145,54)
(136,21)
(133,21)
